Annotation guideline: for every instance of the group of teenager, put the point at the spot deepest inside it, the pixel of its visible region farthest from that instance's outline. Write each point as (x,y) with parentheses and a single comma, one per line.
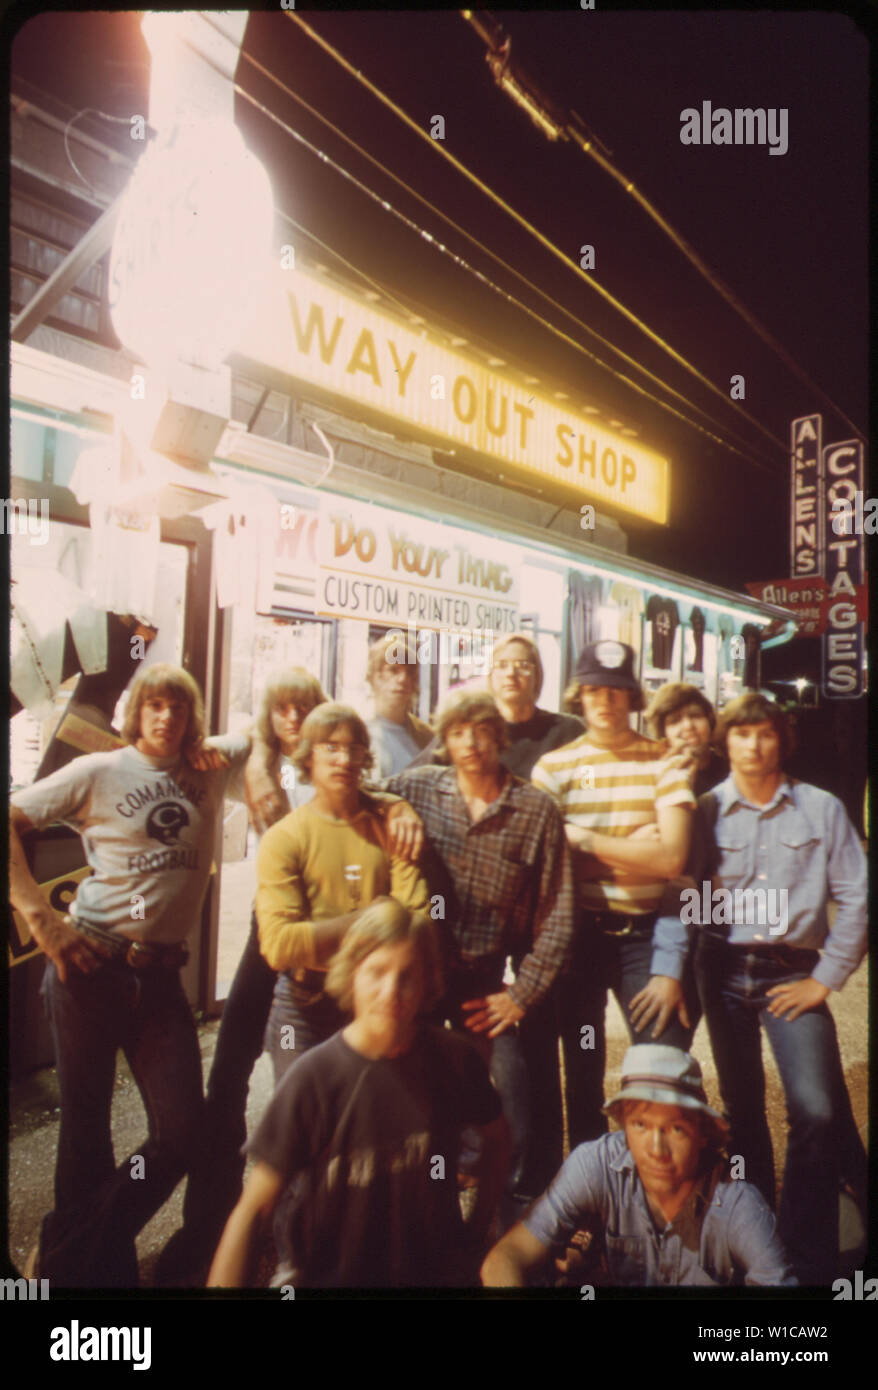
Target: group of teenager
(441,911)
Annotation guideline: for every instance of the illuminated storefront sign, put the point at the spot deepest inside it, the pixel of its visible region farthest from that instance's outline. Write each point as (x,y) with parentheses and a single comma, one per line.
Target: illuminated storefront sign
(842,676)
(806,497)
(381,566)
(310,330)
(804,597)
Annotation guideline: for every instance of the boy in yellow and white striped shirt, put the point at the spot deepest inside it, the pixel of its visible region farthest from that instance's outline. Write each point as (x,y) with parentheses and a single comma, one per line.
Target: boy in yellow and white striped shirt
(628,816)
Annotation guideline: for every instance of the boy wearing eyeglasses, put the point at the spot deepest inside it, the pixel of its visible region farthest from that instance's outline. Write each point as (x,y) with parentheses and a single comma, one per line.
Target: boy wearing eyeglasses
(318,869)
(515,681)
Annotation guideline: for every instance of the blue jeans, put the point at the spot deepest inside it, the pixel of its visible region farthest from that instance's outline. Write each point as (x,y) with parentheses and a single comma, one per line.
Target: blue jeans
(519,1061)
(312,1015)
(540,1104)
(601,963)
(214,1184)
(88,1240)
(734,984)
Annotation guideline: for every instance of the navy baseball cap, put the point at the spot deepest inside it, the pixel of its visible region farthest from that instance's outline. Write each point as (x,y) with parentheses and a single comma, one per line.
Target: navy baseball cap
(607,663)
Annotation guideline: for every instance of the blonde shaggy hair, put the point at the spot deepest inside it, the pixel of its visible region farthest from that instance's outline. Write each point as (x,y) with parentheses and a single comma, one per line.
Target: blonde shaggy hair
(384,923)
(164,679)
(292,686)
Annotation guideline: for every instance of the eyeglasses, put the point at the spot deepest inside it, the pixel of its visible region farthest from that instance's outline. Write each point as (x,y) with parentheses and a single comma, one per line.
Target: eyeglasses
(519,667)
(355,751)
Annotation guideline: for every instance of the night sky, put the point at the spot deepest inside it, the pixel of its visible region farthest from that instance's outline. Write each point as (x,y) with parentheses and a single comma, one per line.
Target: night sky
(787,233)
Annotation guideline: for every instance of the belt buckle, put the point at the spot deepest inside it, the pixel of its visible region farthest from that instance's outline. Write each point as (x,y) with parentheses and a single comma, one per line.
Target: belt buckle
(621,931)
(139,955)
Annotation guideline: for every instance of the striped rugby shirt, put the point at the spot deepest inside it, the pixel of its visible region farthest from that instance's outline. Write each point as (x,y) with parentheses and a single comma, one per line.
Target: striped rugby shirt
(620,791)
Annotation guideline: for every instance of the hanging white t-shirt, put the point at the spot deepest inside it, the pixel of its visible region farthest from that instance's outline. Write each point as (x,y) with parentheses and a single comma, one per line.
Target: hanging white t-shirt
(124,552)
(147,827)
(245,530)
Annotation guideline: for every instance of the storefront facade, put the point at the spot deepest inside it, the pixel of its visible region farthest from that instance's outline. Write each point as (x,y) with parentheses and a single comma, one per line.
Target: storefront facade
(354,505)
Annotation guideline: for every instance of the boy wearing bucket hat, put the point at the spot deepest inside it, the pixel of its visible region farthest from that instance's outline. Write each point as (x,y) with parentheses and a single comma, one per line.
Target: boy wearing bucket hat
(657,1193)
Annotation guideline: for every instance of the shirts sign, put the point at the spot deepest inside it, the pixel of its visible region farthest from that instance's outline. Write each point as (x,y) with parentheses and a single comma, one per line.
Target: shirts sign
(375,565)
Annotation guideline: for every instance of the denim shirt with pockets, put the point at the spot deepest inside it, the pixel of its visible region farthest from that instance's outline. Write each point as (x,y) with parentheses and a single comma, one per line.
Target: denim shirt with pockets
(599,1183)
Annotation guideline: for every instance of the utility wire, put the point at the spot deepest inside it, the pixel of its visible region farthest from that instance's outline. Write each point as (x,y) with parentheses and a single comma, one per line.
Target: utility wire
(538,235)
(749,452)
(749,456)
(425,202)
(458,260)
(586,142)
(356,270)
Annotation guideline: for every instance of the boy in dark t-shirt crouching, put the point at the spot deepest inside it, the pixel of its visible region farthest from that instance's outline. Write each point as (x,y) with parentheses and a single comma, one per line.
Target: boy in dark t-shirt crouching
(356,1155)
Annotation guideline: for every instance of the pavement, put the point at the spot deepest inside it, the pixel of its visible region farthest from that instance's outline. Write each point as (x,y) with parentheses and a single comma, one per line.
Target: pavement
(34,1113)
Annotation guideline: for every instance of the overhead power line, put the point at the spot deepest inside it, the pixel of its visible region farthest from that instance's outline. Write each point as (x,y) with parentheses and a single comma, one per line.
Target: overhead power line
(546,118)
(487,251)
(748,454)
(522,221)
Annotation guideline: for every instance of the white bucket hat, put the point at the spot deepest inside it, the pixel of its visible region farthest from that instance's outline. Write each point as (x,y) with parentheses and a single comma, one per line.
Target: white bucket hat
(664,1076)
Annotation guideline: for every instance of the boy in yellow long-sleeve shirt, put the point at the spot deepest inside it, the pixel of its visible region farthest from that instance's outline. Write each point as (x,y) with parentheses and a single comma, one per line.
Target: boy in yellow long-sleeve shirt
(319,868)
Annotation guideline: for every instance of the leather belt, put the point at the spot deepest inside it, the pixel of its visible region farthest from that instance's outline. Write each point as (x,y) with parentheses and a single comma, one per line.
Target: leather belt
(616,924)
(793,956)
(139,955)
